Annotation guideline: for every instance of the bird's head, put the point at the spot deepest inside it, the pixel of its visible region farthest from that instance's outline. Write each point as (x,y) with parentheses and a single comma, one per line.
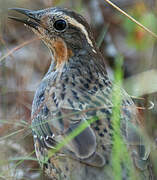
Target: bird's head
(63,31)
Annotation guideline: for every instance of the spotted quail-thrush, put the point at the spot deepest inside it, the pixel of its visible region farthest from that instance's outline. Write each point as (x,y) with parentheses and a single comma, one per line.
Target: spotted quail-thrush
(70,93)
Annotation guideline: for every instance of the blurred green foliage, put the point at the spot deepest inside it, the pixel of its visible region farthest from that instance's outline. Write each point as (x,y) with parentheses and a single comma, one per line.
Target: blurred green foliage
(136,37)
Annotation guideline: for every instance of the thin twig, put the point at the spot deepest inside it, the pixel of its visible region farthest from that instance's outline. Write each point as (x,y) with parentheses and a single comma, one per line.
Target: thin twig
(132,19)
(18,47)
(4,44)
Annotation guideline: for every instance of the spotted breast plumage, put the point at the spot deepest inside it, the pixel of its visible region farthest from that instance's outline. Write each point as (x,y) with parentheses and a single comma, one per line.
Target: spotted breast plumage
(76,89)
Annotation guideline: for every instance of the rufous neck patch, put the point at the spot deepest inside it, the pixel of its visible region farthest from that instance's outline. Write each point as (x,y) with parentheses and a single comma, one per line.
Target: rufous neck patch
(59,48)
(61,51)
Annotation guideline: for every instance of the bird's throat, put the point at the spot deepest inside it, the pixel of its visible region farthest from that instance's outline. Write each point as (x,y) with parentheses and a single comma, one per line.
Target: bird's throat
(58,47)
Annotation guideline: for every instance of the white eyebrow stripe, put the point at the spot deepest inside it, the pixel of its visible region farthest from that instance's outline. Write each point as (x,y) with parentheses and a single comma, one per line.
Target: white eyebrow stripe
(81,27)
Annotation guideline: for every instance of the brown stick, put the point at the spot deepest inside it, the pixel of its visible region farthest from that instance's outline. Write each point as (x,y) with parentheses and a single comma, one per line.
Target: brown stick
(18,47)
(132,19)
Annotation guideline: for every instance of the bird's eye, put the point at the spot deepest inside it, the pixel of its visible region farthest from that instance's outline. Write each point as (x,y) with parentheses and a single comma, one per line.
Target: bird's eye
(60,25)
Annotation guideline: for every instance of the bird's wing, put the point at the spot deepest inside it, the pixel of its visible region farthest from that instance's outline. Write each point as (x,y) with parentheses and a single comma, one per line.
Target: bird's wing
(55,128)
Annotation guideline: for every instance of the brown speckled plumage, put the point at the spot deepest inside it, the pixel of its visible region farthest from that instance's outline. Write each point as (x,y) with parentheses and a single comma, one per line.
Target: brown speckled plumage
(77,83)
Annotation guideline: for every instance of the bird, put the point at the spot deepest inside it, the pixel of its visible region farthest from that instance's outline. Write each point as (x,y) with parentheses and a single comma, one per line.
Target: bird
(75,90)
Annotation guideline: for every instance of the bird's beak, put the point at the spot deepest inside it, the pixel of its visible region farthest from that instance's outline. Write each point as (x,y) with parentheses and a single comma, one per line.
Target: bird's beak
(31,20)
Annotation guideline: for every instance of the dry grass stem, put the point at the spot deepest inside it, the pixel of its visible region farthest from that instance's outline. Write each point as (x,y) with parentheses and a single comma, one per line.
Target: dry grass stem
(132,19)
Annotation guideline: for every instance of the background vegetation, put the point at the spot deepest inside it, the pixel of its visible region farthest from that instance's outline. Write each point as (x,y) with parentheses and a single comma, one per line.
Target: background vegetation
(21,72)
